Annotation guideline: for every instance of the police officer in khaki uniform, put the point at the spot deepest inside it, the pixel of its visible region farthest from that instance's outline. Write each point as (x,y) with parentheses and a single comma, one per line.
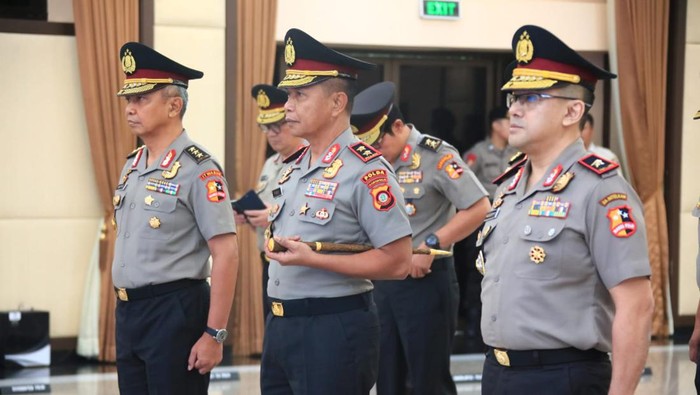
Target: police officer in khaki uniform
(489,158)
(565,261)
(694,343)
(270,101)
(322,336)
(445,203)
(171,213)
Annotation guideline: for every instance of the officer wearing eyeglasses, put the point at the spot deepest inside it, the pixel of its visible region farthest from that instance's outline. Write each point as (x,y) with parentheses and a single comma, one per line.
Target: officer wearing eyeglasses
(564,254)
(270,101)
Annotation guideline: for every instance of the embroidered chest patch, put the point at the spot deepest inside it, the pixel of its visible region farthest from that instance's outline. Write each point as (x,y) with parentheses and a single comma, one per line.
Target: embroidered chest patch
(550,207)
(410,177)
(321,189)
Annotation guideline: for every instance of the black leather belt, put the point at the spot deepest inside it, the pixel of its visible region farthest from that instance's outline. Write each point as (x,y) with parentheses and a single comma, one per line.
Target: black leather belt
(519,358)
(319,306)
(153,290)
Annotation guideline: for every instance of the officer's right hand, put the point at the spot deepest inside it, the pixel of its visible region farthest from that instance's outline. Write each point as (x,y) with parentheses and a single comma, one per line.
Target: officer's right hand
(257,218)
(694,343)
(297,253)
(239,218)
(420,264)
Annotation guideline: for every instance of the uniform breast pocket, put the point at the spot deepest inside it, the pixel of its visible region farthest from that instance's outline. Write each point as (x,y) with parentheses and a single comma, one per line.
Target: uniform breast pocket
(544,250)
(412,191)
(319,212)
(275,210)
(158,216)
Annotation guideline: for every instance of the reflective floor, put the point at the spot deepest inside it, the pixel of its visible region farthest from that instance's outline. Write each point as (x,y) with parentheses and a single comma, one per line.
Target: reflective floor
(668,372)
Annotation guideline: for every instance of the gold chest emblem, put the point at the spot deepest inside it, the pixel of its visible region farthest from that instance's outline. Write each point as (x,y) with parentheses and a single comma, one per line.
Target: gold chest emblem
(154,222)
(562,181)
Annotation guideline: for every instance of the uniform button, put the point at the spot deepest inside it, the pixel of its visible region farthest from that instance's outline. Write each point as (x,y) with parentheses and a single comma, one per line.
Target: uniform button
(493,318)
(291,213)
(496,279)
(505,240)
(127,234)
(527,230)
(519,206)
(551,232)
(122,265)
(303,180)
(132,205)
(277,282)
(141,178)
(156,204)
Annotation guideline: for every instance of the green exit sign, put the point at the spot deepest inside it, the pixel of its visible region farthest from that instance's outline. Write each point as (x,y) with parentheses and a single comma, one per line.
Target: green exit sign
(439,9)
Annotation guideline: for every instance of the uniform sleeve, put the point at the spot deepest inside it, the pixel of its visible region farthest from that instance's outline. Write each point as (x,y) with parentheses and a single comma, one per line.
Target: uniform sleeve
(617,232)
(210,199)
(380,205)
(456,181)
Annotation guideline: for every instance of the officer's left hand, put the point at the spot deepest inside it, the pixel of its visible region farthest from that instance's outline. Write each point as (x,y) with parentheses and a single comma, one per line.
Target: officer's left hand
(297,253)
(258,218)
(420,264)
(205,354)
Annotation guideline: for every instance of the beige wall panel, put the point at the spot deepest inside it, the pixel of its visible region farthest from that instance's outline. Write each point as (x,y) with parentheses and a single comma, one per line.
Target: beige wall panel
(49,209)
(690,182)
(204,50)
(693,23)
(48,172)
(483,24)
(200,13)
(44,264)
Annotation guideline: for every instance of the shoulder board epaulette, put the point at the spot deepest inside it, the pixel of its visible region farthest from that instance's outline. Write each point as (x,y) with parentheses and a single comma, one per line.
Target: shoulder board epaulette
(364,151)
(430,143)
(297,154)
(516,158)
(134,152)
(598,165)
(512,169)
(196,153)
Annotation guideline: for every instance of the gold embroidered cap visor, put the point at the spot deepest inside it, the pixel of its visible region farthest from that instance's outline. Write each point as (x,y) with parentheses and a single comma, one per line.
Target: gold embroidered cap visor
(542,61)
(270,101)
(372,108)
(310,62)
(147,70)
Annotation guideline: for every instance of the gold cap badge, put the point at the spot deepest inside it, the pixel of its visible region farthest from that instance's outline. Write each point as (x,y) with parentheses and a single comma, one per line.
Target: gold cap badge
(289,52)
(524,50)
(128,62)
(262,99)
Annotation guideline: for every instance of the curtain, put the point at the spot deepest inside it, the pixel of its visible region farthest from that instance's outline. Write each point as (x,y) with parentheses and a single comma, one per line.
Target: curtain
(255,61)
(642,46)
(101,27)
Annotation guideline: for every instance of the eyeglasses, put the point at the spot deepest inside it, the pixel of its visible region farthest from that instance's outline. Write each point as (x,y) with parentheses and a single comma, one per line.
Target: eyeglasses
(275,128)
(529,99)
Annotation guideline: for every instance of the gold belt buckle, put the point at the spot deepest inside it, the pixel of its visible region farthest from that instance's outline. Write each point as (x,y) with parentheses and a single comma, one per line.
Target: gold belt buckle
(277,309)
(501,357)
(122,295)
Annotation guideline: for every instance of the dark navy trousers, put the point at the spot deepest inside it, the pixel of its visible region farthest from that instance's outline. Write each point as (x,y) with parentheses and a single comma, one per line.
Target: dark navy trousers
(418,318)
(154,339)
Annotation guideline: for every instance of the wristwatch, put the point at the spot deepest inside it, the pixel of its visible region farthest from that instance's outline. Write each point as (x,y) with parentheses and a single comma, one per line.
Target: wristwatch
(432,241)
(218,334)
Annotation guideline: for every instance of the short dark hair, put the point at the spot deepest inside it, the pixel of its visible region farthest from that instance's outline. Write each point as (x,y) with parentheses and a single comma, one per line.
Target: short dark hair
(345,85)
(586,118)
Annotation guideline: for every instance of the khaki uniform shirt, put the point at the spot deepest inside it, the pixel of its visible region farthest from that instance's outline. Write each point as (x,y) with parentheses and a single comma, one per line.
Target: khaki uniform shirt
(435,181)
(552,253)
(269,175)
(340,198)
(166,213)
(488,162)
